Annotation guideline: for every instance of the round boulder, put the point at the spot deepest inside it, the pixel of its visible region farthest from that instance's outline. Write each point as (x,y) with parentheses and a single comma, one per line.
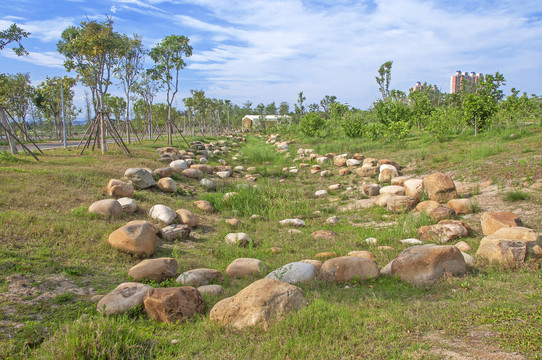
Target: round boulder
(293,273)
(349,268)
(108,207)
(137,238)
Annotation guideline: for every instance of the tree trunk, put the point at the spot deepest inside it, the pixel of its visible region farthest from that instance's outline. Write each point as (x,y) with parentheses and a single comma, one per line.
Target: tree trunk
(8,130)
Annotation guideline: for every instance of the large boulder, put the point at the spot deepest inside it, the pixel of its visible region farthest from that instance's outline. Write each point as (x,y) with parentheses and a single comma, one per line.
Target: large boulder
(259,304)
(444,231)
(187,217)
(176,304)
(461,206)
(126,296)
(163,213)
(163,172)
(107,207)
(199,277)
(137,238)
(140,178)
(293,273)
(242,267)
(119,188)
(167,184)
(154,269)
(193,173)
(426,264)
(439,187)
(493,221)
(510,246)
(348,268)
(367,171)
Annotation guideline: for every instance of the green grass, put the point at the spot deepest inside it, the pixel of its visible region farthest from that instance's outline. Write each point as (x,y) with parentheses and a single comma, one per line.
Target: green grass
(516,196)
(46,230)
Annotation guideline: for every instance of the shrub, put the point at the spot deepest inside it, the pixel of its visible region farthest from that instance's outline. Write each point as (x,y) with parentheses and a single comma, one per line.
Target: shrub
(311,124)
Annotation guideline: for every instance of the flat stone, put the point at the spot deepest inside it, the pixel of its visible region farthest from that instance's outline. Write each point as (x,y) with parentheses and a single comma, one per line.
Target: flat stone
(325,255)
(350,268)
(293,273)
(239,239)
(199,277)
(411,242)
(324,234)
(211,290)
(493,221)
(292,222)
(175,232)
(363,254)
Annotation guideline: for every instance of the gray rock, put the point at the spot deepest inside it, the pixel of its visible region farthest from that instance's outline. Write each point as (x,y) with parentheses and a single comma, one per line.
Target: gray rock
(129,206)
(126,296)
(208,184)
(293,273)
(140,178)
(163,213)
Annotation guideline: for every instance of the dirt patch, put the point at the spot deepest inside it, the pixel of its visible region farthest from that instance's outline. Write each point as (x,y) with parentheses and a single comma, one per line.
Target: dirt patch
(468,348)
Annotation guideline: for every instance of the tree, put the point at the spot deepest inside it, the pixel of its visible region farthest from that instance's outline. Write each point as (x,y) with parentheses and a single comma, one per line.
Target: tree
(115,105)
(311,124)
(13,34)
(147,89)
(93,50)
(479,106)
(326,102)
(384,78)
(260,108)
(16,94)
(128,69)
(299,107)
(168,58)
(284,108)
(271,109)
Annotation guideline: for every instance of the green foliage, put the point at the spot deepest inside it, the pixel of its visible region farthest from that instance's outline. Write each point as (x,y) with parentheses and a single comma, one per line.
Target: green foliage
(513,196)
(13,34)
(444,122)
(395,115)
(311,124)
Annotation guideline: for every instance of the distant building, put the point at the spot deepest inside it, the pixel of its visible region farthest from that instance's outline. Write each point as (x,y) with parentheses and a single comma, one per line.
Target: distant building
(459,77)
(419,86)
(251,122)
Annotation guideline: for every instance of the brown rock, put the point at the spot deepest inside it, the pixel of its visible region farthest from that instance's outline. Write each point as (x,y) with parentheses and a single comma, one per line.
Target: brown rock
(325,255)
(233,222)
(339,161)
(137,238)
(370,161)
(439,187)
(176,304)
(427,206)
(119,189)
(463,246)
(259,304)
(212,290)
(389,162)
(345,171)
(203,168)
(386,175)
(164,172)
(242,267)
(362,254)
(193,173)
(413,187)
(324,234)
(493,221)
(204,205)
(367,171)
(503,251)
(154,269)
(167,184)
(359,157)
(107,207)
(400,180)
(401,204)
(442,213)
(348,268)
(461,206)
(443,232)
(425,264)
(316,263)
(187,217)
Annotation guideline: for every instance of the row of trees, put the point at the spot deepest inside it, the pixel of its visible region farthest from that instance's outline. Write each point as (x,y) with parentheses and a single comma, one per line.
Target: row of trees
(477,107)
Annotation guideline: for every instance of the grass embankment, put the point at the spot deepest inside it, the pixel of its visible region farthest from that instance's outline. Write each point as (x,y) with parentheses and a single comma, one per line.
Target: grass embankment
(46,231)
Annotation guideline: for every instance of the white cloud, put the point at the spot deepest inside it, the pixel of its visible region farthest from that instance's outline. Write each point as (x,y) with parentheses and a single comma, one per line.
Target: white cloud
(113,9)
(45,30)
(49,58)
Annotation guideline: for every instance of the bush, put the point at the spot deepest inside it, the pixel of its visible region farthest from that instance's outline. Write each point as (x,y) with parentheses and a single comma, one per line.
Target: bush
(311,124)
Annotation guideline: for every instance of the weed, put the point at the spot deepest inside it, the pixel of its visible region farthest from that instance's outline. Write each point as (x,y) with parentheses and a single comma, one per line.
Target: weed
(516,196)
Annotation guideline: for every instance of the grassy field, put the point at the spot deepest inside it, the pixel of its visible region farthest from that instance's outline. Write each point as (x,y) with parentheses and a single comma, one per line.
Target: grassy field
(58,254)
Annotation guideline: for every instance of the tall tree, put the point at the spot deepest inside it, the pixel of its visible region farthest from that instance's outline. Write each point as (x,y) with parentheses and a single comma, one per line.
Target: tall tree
(127,71)
(147,89)
(384,78)
(271,109)
(8,36)
(326,102)
(16,94)
(168,58)
(299,107)
(284,108)
(93,50)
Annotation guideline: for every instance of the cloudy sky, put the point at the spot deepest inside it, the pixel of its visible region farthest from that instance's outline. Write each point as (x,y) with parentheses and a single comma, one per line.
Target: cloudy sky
(269,50)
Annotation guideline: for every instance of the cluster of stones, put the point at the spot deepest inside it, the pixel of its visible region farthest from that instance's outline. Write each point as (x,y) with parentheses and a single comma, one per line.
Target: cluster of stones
(270,298)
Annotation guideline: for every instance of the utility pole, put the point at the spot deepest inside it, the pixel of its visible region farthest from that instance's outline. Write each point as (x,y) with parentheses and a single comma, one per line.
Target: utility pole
(63,115)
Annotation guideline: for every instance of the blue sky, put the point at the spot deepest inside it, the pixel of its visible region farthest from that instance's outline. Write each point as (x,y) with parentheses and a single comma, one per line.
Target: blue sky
(265,50)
